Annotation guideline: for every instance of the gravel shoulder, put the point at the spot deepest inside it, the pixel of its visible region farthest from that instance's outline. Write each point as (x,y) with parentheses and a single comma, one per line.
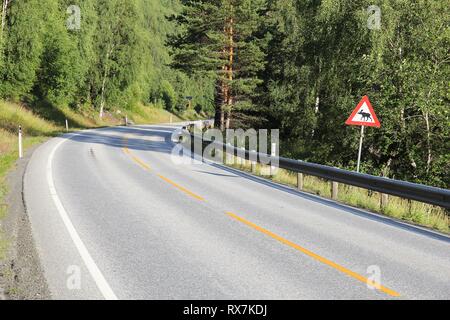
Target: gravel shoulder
(21,274)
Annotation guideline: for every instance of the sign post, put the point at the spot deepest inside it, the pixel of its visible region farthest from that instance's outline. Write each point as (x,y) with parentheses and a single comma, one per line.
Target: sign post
(360,148)
(363,115)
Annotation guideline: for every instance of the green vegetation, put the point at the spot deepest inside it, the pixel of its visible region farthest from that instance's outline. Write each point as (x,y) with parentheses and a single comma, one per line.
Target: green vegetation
(412,211)
(94,54)
(297,66)
(324,58)
(222,41)
(310,62)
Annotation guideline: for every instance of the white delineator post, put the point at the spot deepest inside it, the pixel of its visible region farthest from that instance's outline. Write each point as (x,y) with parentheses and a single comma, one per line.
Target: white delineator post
(20,142)
(126,120)
(360,148)
(67,125)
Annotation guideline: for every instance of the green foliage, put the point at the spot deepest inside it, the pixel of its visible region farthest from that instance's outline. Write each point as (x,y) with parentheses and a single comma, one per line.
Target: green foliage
(117,58)
(22,48)
(323,58)
(223,41)
(300,66)
(168,95)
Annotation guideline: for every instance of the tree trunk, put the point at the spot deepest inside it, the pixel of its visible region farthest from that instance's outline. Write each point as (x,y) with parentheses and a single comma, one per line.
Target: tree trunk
(102,95)
(105,77)
(228,121)
(218,118)
(230,99)
(220,102)
(4,8)
(426,115)
(316,111)
(429,157)
(222,98)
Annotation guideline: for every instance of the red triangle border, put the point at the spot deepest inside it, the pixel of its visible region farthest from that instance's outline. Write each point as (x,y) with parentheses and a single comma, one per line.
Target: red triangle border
(376,122)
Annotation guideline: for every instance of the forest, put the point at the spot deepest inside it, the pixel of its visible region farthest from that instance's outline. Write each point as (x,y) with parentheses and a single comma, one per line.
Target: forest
(300,66)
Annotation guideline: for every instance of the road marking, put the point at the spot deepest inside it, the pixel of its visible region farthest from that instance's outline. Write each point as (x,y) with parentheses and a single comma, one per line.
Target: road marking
(95,272)
(146,167)
(137,160)
(141,163)
(315,256)
(182,188)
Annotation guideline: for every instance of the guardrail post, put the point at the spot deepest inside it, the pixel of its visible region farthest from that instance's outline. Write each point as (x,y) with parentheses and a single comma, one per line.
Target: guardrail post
(300,181)
(384,200)
(20,142)
(334,190)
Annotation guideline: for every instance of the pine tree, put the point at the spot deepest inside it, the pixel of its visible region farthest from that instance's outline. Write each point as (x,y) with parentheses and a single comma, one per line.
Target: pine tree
(221,39)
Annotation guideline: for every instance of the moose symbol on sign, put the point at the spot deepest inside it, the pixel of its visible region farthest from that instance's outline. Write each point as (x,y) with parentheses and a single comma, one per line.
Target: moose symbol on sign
(365,116)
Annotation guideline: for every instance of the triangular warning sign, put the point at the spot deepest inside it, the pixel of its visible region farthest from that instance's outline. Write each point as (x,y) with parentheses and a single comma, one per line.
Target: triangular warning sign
(363,115)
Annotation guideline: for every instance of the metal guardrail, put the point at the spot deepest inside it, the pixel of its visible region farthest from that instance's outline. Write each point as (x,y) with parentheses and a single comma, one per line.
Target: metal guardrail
(413,191)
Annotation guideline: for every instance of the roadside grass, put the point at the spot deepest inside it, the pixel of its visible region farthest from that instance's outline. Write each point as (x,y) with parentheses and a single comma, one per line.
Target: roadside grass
(13,115)
(152,115)
(190,114)
(412,211)
(46,121)
(156,114)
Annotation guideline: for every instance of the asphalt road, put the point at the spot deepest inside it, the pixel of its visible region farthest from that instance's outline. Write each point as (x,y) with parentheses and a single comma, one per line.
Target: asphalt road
(114,217)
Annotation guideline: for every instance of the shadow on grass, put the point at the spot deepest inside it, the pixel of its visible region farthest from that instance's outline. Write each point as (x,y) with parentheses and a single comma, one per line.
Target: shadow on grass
(48,111)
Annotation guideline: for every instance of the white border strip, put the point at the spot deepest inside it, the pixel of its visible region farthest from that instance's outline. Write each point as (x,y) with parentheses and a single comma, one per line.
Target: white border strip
(95,272)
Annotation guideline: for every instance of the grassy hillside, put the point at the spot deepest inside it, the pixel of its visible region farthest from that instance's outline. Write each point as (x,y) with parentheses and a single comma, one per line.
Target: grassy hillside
(47,121)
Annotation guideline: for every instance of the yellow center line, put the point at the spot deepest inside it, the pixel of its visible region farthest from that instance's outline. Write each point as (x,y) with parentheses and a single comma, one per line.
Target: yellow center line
(316,256)
(140,162)
(273,235)
(136,159)
(182,188)
(146,167)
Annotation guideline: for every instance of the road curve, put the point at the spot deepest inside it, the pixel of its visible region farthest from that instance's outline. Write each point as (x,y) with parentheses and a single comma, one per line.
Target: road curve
(114,217)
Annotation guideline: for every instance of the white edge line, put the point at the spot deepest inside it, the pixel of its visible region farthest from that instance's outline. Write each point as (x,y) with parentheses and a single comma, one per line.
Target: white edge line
(95,272)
